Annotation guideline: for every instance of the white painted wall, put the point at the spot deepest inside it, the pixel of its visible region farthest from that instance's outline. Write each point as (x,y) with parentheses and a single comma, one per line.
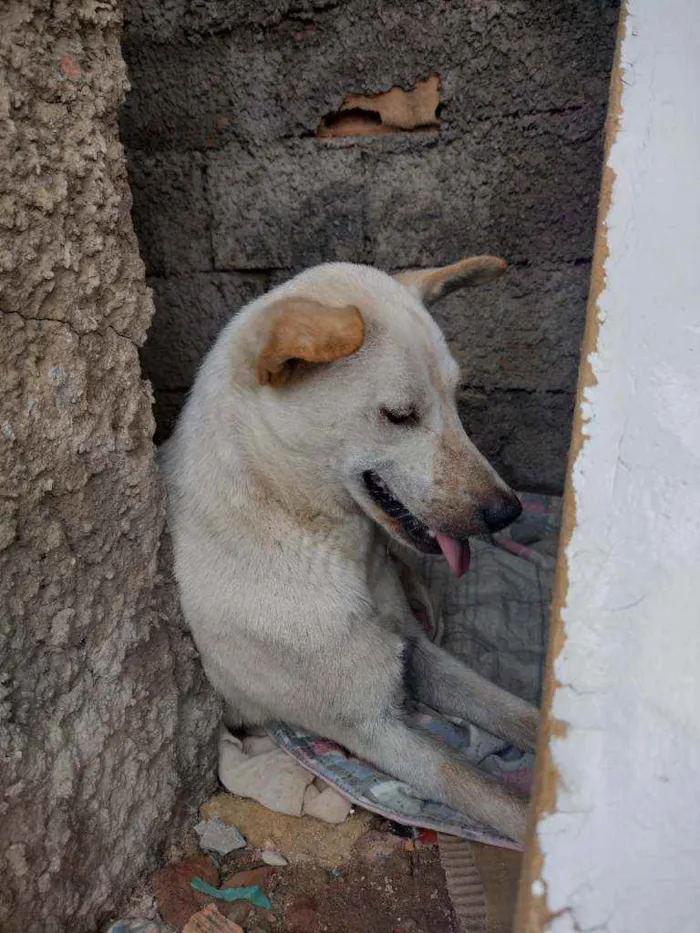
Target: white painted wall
(622,853)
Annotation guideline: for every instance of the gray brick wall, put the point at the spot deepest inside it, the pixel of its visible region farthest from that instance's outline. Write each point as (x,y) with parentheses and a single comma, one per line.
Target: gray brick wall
(233,191)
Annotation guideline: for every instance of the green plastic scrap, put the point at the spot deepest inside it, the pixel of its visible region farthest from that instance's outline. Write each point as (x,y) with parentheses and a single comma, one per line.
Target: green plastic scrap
(254,893)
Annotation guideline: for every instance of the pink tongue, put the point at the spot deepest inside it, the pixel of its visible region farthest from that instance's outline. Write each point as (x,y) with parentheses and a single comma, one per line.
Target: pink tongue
(456,554)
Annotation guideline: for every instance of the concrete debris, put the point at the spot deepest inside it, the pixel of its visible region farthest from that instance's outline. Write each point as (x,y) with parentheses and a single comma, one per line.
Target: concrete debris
(217,836)
(270,857)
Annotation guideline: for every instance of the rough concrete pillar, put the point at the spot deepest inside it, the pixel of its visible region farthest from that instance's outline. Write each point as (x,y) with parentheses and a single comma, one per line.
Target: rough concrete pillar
(105,723)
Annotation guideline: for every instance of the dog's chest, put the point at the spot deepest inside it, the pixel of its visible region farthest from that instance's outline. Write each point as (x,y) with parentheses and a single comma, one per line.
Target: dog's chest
(385,587)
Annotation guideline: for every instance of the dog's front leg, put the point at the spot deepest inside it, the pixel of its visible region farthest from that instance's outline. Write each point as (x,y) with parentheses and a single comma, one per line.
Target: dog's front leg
(403,749)
(441,681)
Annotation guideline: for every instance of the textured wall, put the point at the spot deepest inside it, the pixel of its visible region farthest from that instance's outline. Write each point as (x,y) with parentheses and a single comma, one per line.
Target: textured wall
(105,725)
(233,191)
(618,790)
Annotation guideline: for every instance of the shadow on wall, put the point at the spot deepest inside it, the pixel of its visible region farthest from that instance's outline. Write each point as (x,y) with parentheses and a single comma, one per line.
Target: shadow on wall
(258,146)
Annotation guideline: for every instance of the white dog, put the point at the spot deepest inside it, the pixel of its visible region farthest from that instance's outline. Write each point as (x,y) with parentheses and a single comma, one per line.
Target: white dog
(321,427)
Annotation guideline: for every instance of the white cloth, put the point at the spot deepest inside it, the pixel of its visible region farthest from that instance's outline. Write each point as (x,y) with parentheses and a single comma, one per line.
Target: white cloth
(258,769)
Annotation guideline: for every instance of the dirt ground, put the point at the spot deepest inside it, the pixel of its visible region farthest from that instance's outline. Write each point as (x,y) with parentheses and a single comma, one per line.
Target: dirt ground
(401,893)
(365,874)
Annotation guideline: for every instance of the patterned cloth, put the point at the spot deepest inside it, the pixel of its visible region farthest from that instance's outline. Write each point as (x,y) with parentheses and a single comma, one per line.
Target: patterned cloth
(495,618)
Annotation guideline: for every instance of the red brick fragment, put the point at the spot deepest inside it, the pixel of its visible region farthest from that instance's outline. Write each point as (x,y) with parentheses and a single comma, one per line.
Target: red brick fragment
(177,899)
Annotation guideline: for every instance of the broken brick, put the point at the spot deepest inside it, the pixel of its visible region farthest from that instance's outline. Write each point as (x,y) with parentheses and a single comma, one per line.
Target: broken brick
(177,900)
(210,920)
(238,910)
(427,837)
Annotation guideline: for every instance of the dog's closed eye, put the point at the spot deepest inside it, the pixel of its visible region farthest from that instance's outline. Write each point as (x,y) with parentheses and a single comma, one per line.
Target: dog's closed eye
(407,417)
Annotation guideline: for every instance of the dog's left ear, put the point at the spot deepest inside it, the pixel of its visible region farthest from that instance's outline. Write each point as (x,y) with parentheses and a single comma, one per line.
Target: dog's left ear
(299,331)
(431,284)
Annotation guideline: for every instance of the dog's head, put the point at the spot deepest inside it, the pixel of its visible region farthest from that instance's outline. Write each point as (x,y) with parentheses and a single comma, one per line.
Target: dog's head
(354,390)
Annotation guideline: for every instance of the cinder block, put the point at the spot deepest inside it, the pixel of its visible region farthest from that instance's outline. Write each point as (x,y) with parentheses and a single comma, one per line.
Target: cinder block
(522,331)
(180,93)
(190,312)
(518,59)
(257,72)
(170,212)
(155,20)
(527,188)
(525,435)
(286,207)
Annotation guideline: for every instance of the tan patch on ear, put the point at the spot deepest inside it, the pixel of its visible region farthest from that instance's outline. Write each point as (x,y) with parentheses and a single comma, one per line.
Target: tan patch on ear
(304,331)
(432,284)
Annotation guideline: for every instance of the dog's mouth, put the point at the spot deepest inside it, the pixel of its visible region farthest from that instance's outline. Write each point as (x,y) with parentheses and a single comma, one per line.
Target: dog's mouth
(412,529)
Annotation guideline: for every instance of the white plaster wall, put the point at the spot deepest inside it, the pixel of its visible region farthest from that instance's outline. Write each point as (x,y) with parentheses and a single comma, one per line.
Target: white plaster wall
(622,853)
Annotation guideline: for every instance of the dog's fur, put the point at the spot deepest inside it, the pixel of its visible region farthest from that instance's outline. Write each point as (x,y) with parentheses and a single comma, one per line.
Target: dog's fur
(281,551)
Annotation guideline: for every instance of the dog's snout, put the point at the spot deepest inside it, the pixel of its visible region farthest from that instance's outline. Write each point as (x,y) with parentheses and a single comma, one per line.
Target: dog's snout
(501,511)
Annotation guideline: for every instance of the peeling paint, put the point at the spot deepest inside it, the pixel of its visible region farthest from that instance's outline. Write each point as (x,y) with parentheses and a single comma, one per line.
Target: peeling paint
(393,111)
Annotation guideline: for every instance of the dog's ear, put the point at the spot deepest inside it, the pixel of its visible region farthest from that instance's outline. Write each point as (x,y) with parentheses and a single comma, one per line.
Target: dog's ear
(431,284)
(300,331)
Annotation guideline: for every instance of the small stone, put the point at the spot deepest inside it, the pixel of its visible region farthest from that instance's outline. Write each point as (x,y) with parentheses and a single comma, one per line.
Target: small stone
(217,836)
(270,857)
(177,900)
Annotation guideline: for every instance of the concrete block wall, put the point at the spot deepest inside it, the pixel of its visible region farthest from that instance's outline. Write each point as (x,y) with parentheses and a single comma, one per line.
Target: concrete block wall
(234,192)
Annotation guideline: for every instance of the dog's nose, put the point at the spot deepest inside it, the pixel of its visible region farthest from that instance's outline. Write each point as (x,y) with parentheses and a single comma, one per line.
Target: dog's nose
(501,511)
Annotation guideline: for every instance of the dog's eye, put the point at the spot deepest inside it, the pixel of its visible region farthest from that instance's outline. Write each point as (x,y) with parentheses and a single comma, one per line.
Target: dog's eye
(406,418)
